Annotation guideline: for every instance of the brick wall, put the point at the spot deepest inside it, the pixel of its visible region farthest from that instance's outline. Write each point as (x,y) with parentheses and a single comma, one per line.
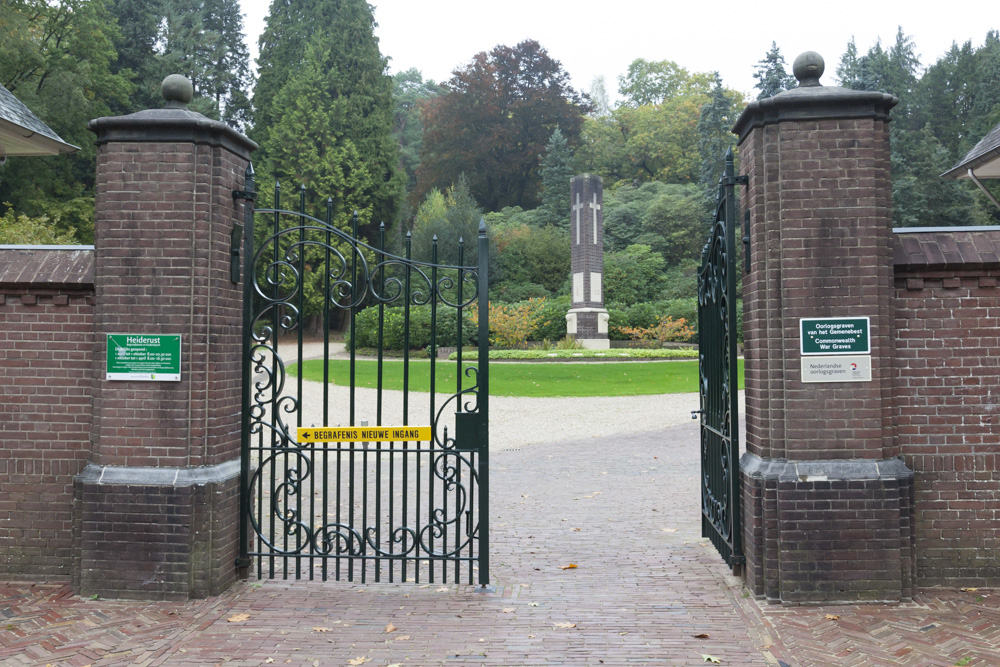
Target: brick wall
(947,399)
(46,345)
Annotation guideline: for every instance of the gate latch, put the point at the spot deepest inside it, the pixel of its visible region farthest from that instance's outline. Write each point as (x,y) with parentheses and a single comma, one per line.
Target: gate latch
(695,413)
(469,431)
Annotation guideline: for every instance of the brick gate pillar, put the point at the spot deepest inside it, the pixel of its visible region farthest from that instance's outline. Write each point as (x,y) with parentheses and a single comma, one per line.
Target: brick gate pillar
(157,508)
(827,500)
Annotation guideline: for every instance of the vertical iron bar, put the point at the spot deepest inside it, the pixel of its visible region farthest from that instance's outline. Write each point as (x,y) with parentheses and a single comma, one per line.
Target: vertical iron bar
(433,381)
(276,322)
(324,498)
(458,408)
(354,313)
(243,560)
(735,512)
(484,406)
(380,259)
(298,385)
(406,397)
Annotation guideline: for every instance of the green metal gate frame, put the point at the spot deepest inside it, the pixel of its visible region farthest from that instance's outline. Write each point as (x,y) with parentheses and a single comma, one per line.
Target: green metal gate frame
(721,519)
(396,511)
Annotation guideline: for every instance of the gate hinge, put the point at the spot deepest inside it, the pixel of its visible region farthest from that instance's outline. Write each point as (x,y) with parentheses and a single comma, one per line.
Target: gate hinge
(244,561)
(739,180)
(244,194)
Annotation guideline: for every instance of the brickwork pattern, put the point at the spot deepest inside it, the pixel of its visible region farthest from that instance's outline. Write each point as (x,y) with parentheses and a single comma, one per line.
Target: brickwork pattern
(820,248)
(820,245)
(164,216)
(640,595)
(948,339)
(155,541)
(45,421)
(816,541)
(164,213)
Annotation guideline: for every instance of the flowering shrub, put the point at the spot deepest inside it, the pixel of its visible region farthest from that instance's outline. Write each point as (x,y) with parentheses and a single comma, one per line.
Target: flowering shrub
(511,324)
(666,329)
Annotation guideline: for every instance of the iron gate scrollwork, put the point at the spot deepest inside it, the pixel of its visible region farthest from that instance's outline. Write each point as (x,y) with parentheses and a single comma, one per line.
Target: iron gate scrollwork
(718,378)
(375,510)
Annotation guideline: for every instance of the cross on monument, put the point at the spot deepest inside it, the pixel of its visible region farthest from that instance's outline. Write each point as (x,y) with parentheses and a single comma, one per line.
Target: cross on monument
(576,209)
(587,319)
(595,207)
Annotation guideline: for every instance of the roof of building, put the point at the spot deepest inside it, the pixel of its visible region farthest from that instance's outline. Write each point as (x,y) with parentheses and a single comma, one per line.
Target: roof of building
(983,159)
(22,133)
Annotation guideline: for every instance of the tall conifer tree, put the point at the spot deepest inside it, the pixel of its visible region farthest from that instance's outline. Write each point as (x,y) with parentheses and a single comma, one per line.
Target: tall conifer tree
(333,120)
(556,174)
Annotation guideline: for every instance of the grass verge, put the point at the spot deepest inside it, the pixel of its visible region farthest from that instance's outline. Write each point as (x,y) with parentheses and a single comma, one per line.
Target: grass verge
(530,380)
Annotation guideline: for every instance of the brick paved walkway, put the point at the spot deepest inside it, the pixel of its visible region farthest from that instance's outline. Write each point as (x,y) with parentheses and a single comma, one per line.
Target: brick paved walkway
(624,510)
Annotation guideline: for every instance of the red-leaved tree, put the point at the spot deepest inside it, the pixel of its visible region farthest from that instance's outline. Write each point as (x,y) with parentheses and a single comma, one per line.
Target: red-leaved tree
(494,123)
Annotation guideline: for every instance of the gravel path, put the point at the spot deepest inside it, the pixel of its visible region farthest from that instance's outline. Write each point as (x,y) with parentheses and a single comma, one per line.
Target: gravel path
(514,421)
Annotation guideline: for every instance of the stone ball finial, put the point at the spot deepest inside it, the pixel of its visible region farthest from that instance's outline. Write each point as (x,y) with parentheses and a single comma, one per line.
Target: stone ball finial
(808,68)
(177,91)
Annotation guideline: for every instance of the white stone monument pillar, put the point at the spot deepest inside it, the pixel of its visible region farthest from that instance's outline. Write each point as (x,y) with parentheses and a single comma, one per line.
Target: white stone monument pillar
(587,320)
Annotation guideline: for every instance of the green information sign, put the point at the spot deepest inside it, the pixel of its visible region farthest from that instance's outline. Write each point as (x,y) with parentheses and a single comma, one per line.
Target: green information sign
(152,357)
(835,335)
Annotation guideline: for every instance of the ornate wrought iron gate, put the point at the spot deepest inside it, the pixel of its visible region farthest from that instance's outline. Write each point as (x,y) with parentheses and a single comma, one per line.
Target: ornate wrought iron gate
(321,500)
(720,489)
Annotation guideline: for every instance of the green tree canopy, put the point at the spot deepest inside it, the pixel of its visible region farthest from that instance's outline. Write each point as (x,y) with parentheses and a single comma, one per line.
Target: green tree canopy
(408,92)
(556,174)
(450,216)
(772,78)
(633,275)
(334,127)
(494,123)
(654,82)
(57,58)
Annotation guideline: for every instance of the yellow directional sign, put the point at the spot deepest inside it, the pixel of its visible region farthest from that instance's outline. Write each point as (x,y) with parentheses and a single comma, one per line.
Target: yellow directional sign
(365,434)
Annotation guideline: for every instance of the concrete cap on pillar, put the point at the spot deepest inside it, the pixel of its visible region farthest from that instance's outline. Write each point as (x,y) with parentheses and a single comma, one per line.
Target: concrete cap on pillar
(173,123)
(808,68)
(811,100)
(177,90)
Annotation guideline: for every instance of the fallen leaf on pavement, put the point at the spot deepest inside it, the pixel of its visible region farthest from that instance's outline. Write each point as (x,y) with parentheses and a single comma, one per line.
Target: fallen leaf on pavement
(711,658)
(669,530)
(443,589)
(701,635)
(970,589)
(832,617)
(238,618)
(402,638)
(508,610)
(321,629)
(571,566)
(390,628)
(269,661)
(360,660)
(533,604)
(564,625)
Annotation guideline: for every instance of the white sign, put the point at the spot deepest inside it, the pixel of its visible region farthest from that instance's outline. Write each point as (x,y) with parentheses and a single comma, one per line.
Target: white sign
(856,368)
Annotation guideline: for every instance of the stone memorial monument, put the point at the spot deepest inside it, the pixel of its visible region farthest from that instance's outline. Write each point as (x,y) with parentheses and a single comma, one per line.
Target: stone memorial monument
(587,320)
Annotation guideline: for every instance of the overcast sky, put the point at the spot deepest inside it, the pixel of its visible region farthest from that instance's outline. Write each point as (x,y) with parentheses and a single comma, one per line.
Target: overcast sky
(594,38)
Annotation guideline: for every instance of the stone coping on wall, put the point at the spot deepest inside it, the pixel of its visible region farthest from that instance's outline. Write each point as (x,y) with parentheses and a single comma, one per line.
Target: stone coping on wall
(47,266)
(825,470)
(946,247)
(100,474)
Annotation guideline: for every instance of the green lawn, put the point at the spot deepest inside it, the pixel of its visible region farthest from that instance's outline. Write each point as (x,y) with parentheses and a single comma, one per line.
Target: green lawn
(529,379)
